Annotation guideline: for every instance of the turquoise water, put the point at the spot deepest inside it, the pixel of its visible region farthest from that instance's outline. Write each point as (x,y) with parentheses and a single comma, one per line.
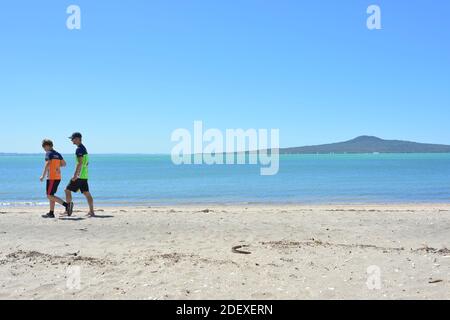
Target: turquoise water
(153,179)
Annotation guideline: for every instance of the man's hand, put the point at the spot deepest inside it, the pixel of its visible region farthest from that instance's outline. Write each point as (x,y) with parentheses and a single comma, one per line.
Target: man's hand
(74,178)
(41,178)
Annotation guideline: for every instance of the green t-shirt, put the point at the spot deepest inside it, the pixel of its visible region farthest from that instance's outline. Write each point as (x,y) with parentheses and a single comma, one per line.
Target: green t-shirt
(82,152)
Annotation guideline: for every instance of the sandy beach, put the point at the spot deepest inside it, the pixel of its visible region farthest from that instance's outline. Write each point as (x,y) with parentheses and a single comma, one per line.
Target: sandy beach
(185,252)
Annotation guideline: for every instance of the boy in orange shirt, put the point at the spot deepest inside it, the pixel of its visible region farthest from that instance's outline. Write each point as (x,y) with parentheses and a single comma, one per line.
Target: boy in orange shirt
(52,170)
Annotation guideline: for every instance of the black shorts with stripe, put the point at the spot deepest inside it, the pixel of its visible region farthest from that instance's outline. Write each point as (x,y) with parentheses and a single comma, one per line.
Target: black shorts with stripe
(78,185)
(52,187)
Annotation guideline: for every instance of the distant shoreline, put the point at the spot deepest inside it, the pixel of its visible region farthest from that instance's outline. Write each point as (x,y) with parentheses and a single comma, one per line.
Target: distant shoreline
(283,154)
(358,145)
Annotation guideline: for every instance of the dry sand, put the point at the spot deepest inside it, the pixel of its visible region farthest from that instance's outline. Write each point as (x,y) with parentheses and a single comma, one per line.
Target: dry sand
(185,252)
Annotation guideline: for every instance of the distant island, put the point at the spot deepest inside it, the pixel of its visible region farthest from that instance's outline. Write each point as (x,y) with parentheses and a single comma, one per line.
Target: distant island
(369,144)
(361,144)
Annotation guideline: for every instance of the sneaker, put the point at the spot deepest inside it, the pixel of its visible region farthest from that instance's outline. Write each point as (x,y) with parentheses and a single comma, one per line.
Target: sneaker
(48,215)
(69,209)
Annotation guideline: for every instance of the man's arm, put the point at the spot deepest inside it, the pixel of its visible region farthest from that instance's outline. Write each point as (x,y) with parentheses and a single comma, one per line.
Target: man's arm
(63,163)
(44,173)
(76,175)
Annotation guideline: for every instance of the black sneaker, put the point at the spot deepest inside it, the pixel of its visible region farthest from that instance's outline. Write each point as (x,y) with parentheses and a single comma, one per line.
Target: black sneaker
(48,215)
(70,209)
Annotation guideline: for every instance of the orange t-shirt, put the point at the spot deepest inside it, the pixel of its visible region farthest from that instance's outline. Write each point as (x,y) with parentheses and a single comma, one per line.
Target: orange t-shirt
(55,158)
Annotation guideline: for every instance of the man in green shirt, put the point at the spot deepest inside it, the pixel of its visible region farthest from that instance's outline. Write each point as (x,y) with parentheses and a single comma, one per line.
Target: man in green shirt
(79,182)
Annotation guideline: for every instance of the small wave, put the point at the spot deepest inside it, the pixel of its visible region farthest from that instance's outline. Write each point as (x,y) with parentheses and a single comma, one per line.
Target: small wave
(22,204)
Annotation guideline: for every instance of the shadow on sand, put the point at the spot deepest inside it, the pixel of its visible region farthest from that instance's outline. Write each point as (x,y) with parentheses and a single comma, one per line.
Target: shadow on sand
(99,216)
(72,218)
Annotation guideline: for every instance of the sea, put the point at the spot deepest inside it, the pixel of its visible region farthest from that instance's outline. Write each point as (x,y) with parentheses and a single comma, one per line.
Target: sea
(303,179)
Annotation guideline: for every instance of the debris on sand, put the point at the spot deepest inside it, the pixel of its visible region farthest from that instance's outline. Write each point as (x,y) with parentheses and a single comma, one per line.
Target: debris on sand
(235,249)
(427,249)
(39,257)
(435,281)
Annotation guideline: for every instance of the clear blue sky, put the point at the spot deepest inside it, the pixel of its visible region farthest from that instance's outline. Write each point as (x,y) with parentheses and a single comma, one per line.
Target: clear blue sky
(137,70)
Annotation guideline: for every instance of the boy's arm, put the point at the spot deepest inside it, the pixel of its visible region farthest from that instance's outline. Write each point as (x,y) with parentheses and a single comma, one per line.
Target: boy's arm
(44,173)
(76,175)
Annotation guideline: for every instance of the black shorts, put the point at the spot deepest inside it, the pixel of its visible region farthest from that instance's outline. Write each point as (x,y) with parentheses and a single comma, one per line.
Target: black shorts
(52,187)
(78,185)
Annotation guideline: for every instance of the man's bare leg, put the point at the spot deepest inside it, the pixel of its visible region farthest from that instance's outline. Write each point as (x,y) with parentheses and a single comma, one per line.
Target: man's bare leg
(90,201)
(68,196)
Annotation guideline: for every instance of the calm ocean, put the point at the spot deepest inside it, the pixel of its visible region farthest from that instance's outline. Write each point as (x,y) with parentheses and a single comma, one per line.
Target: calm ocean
(153,179)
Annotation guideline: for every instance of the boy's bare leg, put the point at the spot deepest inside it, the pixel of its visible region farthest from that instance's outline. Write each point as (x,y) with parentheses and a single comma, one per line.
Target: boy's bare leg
(90,201)
(51,214)
(56,199)
(69,208)
(52,203)
(53,200)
